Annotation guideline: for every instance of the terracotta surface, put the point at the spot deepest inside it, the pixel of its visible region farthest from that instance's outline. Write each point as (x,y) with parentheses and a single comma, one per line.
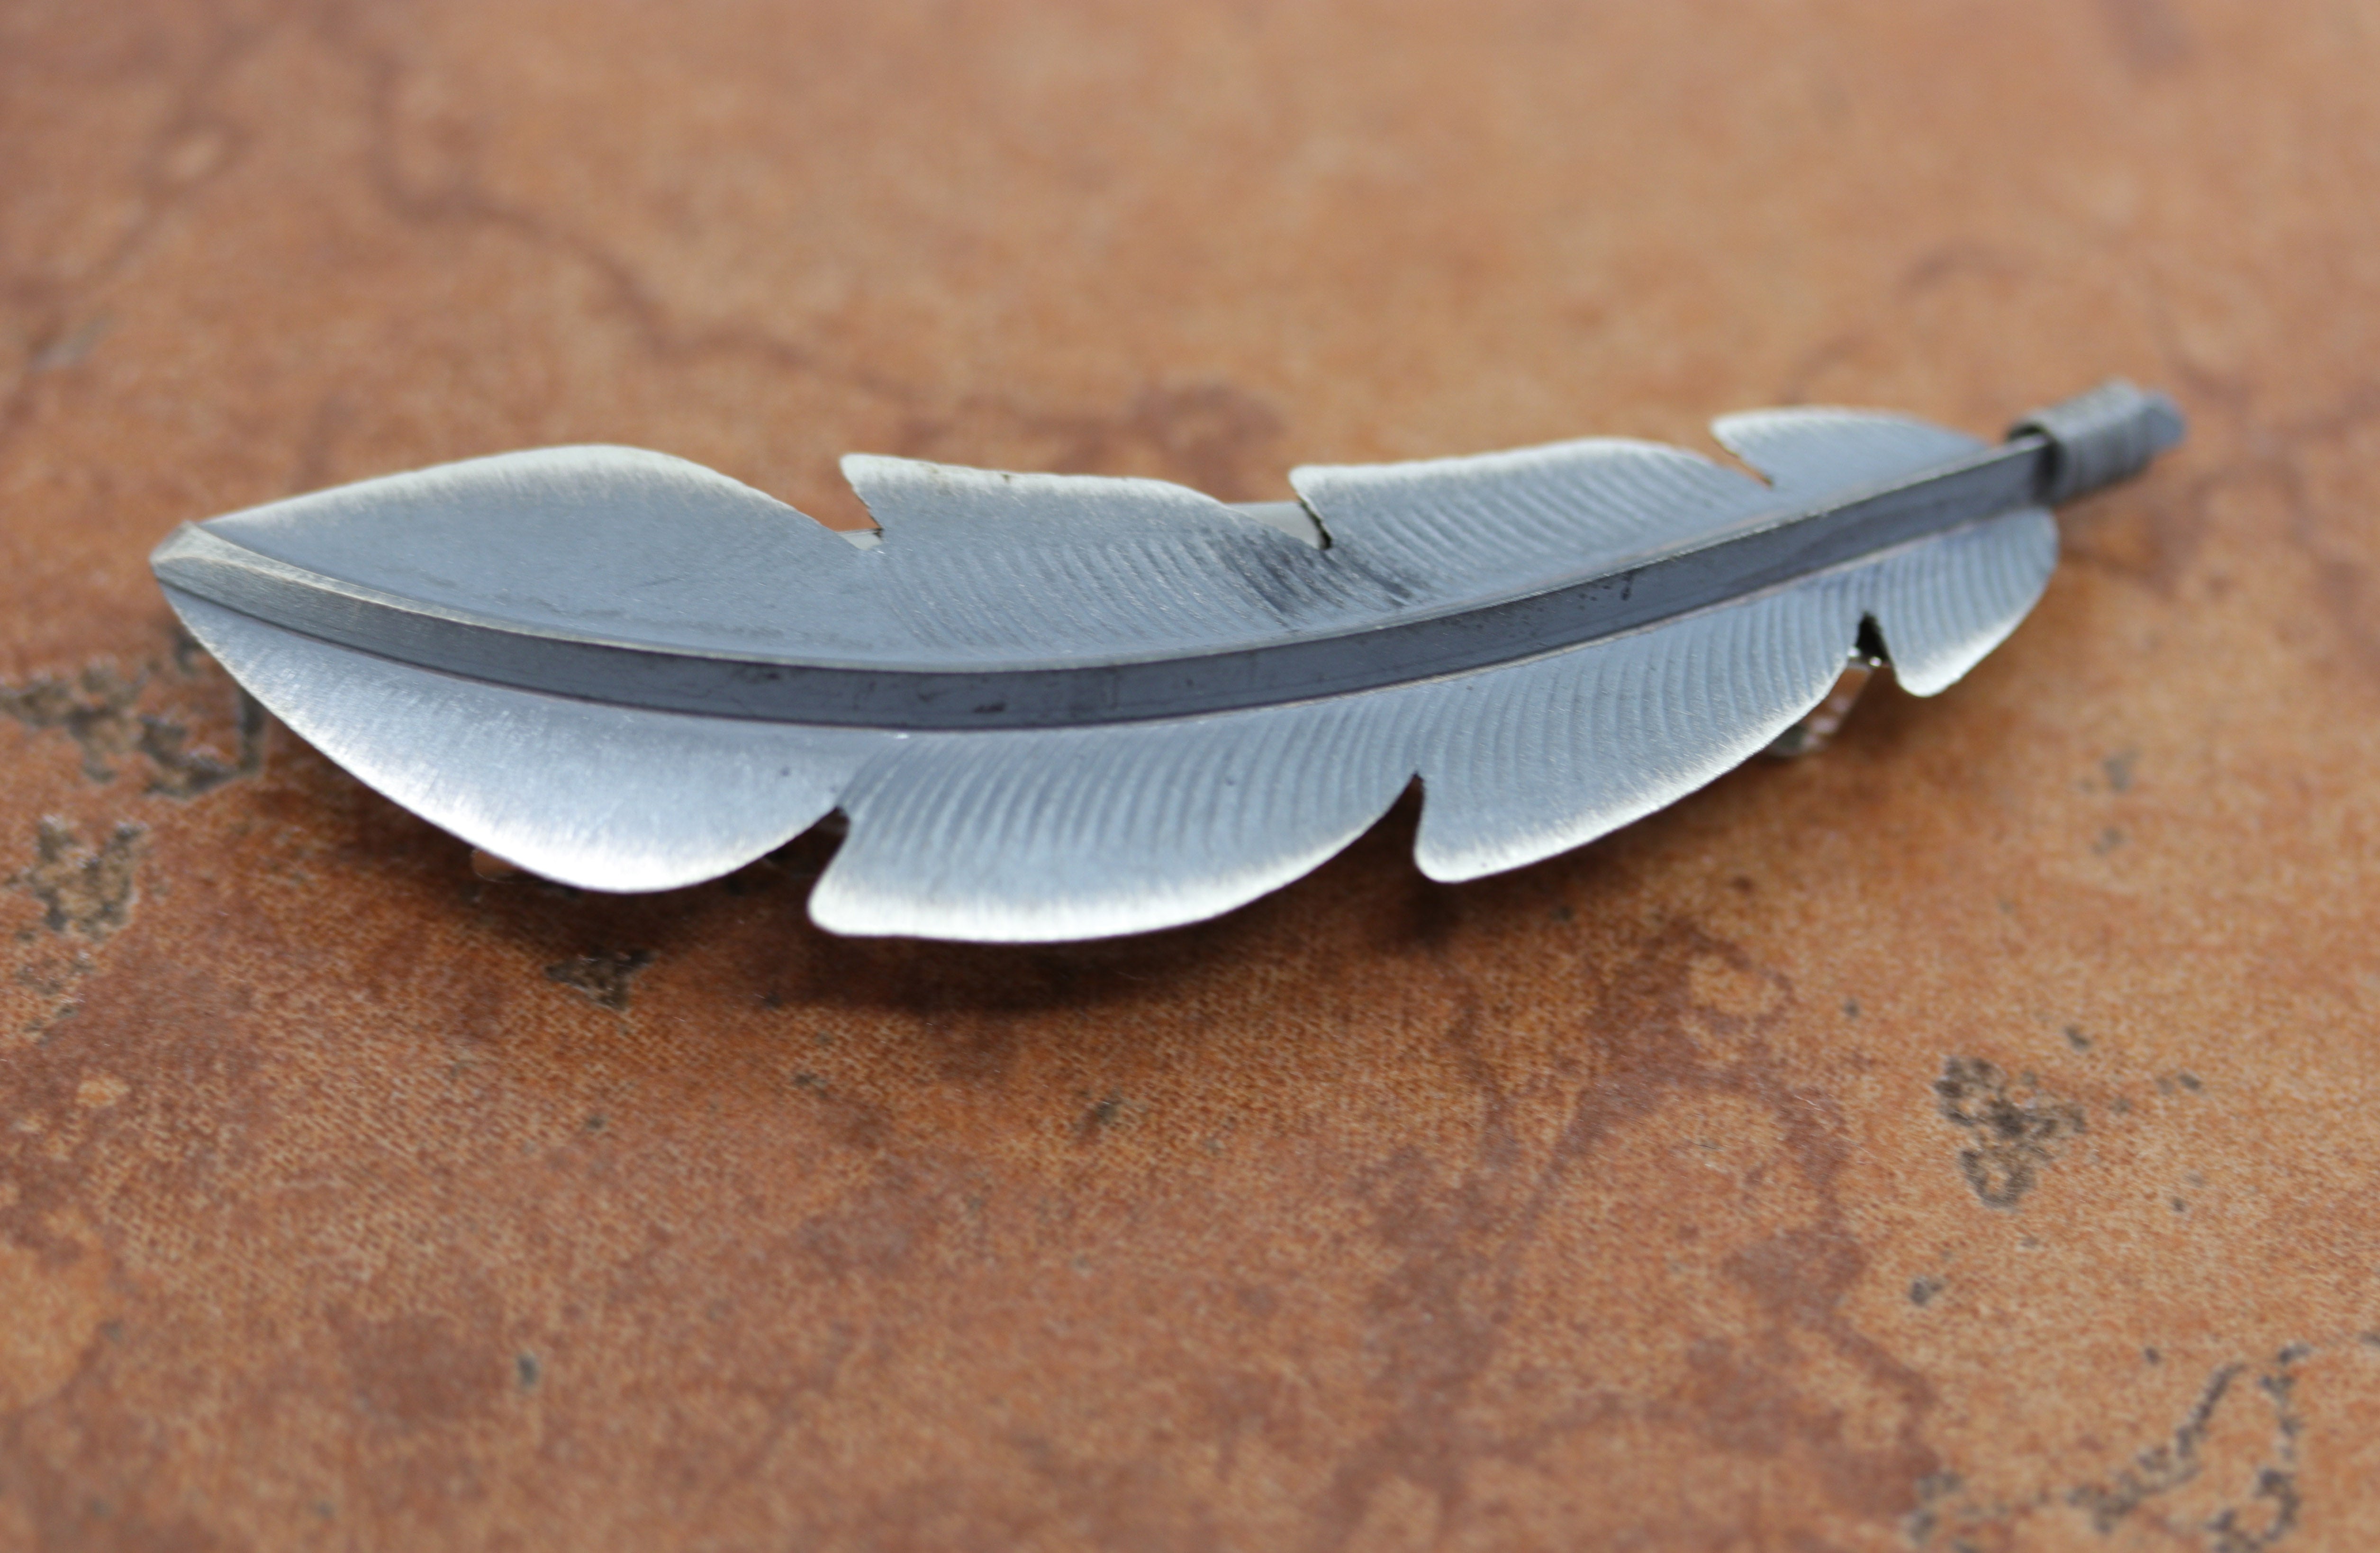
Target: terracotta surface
(1963,1140)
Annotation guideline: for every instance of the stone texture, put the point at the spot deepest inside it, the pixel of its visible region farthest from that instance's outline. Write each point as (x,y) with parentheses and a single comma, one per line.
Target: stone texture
(1963,1140)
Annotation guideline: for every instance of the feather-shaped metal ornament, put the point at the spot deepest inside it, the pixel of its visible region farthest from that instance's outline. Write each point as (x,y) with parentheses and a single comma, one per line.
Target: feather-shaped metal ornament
(1068,706)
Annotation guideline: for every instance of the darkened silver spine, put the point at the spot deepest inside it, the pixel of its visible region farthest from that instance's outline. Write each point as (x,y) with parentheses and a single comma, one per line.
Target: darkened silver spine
(2054,455)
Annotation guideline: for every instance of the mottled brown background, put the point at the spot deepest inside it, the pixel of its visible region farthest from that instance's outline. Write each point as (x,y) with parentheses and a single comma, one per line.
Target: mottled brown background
(1963,1140)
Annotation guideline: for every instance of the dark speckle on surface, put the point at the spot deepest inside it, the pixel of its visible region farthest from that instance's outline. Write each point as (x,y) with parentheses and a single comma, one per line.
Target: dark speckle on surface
(1100,1115)
(2011,1137)
(112,717)
(86,891)
(603,977)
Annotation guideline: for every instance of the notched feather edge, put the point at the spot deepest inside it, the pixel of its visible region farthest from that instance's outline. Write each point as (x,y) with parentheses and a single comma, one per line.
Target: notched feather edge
(1136,842)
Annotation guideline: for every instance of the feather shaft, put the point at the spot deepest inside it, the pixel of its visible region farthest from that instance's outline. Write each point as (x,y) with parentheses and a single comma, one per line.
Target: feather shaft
(1403,647)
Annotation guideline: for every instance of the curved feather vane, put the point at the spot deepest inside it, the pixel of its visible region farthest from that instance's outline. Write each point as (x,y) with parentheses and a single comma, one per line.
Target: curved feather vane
(1067,705)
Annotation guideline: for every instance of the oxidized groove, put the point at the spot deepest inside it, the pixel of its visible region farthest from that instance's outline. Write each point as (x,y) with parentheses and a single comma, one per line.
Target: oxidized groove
(776,689)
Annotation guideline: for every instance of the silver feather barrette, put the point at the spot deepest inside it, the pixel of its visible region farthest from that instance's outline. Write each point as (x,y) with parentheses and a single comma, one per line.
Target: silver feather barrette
(1068,706)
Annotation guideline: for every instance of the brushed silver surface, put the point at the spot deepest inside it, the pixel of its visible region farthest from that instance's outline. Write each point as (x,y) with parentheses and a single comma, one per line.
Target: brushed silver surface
(1404,632)
(604,797)
(1059,706)
(1036,834)
(1539,758)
